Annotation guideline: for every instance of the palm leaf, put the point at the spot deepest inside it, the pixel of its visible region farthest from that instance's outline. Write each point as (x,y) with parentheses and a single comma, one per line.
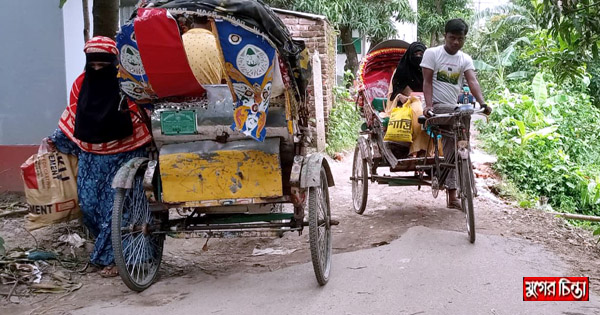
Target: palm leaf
(539,88)
(518,75)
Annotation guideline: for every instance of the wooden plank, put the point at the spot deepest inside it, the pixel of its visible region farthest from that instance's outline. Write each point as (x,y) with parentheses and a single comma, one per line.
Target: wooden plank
(573,216)
(319,111)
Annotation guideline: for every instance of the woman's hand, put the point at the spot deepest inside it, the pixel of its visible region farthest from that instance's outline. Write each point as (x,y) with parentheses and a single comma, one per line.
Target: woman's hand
(401,98)
(51,145)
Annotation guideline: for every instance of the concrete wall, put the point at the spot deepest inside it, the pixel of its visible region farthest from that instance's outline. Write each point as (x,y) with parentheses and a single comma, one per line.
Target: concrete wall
(32,81)
(32,71)
(32,74)
(74,42)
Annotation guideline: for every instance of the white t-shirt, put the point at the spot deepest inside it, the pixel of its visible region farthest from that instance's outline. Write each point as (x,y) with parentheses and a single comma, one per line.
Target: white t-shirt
(448,73)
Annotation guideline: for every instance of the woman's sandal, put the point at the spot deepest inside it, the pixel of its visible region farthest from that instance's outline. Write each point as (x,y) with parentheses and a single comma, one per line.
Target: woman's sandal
(109,271)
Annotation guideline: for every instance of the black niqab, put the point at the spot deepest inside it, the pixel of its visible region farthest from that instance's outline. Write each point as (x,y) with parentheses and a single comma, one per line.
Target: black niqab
(98,118)
(409,73)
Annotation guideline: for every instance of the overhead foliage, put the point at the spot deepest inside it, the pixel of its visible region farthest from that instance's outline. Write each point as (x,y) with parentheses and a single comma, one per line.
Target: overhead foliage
(577,23)
(372,18)
(502,25)
(433,14)
(556,56)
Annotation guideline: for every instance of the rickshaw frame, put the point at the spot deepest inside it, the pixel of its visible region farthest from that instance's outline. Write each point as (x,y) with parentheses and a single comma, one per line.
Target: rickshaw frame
(139,209)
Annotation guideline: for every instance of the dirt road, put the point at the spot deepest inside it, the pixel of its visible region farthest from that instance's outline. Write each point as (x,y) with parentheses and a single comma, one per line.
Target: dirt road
(224,278)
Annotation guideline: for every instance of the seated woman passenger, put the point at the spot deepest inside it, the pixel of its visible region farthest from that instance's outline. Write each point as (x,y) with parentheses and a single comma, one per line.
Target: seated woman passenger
(407,82)
(201,49)
(204,55)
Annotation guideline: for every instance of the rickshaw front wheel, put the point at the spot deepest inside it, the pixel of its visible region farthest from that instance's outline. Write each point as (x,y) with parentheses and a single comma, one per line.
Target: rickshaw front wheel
(319,217)
(360,182)
(138,249)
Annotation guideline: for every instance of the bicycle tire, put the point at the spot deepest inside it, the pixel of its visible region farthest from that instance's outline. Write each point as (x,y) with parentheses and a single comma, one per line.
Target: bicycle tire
(466,194)
(360,182)
(146,261)
(319,233)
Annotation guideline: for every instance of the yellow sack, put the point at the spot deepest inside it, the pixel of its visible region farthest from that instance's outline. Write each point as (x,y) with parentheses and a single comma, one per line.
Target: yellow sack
(400,127)
(50,188)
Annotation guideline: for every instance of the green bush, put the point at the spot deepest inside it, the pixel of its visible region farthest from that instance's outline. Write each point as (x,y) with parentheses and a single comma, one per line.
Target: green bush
(548,145)
(343,123)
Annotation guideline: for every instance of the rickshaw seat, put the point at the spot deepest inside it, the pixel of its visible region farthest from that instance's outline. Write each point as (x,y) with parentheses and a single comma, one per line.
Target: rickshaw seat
(379,103)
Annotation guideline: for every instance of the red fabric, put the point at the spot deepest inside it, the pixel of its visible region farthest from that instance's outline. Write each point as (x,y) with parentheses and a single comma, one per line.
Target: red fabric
(101,44)
(141,134)
(29,176)
(375,72)
(163,55)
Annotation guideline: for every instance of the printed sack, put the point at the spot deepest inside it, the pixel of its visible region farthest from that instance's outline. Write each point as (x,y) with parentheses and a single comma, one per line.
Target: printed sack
(50,188)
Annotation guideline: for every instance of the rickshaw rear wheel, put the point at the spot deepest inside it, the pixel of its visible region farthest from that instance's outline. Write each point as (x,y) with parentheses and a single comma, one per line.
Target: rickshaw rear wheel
(319,216)
(360,182)
(138,251)
(466,194)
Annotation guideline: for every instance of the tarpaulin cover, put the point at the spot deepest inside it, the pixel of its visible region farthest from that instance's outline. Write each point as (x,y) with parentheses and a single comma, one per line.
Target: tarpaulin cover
(132,75)
(163,55)
(259,18)
(249,64)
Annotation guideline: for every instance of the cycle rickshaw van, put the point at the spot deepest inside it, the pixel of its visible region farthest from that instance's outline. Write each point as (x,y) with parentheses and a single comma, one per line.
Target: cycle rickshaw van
(372,152)
(226,156)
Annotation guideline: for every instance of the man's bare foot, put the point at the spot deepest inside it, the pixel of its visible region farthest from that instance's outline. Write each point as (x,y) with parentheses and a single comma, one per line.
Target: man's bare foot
(452,201)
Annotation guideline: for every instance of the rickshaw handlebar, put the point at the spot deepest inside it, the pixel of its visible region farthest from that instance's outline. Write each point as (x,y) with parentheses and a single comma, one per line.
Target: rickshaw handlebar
(460,110)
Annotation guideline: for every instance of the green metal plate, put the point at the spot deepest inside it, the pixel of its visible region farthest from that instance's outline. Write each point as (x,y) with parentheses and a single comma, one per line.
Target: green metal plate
(181,122)
(379,103)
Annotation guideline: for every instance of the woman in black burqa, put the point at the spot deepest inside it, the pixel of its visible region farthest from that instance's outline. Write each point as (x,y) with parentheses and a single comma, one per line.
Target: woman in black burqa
(103,137)
(407,83)
(408,76)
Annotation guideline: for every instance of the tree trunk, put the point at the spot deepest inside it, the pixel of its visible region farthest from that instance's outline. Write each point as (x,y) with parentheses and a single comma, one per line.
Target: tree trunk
(106,17)
(432,41)
(348,44)
(86,20)
(435,40)
(438,6)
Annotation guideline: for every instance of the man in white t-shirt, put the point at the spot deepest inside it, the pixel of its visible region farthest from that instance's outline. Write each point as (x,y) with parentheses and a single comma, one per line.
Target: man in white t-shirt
(444,69)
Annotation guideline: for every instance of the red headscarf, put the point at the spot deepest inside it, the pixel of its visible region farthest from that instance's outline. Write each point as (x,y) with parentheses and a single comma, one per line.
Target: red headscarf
(101,44)
(141,134)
